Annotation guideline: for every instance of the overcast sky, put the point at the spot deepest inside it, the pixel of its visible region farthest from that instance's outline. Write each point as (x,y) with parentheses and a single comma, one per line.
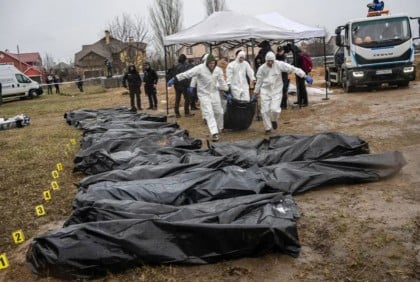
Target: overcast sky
(60,28)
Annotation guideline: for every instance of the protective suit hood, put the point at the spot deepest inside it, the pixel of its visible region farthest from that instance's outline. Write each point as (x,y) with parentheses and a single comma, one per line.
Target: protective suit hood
(204,58)
(270,56)
(241,54)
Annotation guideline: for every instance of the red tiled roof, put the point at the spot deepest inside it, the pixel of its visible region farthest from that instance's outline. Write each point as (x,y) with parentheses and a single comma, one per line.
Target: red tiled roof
(27,57)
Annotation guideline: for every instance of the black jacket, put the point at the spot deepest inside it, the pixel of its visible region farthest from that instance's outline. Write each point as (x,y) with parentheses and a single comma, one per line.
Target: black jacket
(132,79)
(180,68)
(150,77)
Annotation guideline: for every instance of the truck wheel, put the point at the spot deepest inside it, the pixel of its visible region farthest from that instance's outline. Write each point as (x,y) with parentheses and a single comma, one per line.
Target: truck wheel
(32,93)
(403,83)
(346,86)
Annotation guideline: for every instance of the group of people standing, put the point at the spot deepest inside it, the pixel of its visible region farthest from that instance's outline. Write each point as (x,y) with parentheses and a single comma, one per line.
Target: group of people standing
(271,83)
(132,80)
(208,80)
(53,80)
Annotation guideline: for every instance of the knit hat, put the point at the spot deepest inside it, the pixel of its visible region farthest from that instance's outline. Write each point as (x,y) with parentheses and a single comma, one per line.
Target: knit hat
(270,56)
(210,58)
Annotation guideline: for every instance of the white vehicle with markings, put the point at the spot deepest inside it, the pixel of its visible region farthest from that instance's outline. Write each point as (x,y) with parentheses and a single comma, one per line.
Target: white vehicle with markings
(15,84)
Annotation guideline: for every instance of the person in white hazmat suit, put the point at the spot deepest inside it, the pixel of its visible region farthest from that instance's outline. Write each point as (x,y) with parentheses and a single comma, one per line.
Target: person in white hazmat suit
(269,87)
(236,77)
(193,83)
(209,81)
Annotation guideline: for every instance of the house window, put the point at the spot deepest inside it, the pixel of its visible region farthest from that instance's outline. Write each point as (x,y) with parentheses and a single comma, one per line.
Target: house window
(189,50)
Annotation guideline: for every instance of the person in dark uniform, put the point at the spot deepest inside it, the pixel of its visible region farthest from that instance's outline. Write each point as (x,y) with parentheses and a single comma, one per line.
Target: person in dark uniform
(182,87)
(281,56)
(132,81)
(302,95)
(150,80)
(108,65)
(265,48)
(57,81)
(79,82)
(50,81)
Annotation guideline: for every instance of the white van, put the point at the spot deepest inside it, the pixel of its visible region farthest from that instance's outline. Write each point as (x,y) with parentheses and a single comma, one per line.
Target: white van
(15,84)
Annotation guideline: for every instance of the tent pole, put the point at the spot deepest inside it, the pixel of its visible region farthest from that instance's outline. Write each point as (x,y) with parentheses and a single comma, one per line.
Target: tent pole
(325,70)
(166,80)
(253,53)
(258,117)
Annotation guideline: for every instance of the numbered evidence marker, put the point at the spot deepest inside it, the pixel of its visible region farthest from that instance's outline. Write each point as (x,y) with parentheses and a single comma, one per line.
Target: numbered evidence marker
(4,263)
(59,167)
(40,210)
(18,237)
(47,195)
(54,185)
(55,174)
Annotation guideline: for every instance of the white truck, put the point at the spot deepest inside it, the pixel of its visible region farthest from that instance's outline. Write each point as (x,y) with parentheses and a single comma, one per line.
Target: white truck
(15,84)
(373,51)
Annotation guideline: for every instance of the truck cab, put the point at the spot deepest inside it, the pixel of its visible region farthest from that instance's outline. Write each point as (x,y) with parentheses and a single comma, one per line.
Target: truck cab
(372,52)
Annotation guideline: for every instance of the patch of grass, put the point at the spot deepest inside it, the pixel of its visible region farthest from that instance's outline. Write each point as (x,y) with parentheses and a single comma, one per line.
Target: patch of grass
(383,239)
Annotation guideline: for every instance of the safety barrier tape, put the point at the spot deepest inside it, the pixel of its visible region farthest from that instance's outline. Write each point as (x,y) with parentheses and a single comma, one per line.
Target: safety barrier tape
(69,82)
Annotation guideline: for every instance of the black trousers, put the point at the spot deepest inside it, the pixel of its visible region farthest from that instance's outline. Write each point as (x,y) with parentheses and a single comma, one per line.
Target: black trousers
(151,94)
(182,92)
(302,95)
(283,103)
(194,98)
(135,95)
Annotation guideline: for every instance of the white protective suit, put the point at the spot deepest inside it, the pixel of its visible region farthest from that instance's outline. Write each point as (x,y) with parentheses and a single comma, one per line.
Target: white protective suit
(269,85)
(193,82)
(207,91)
(236,77)
(194,79)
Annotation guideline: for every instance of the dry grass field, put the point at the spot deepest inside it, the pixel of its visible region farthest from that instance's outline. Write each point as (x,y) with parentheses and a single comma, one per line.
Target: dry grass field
(360,232)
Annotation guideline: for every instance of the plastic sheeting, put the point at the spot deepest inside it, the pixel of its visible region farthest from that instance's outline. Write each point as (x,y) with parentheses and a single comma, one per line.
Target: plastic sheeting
(83,117)
(288,148)
(239,114)
(119,150)
(194,234)
(207,184)
(154,196)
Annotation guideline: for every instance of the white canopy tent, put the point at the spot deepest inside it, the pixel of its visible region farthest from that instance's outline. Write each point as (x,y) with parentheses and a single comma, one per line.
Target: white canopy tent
(225,26)
(233,28)
(299,31)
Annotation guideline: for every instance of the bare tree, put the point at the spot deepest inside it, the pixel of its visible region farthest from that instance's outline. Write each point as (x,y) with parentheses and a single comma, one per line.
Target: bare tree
(166,16)
(48,61)
(126,27)
(214,6)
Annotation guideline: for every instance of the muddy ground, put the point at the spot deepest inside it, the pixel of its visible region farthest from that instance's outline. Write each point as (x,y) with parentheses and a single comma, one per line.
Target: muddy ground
(360,232)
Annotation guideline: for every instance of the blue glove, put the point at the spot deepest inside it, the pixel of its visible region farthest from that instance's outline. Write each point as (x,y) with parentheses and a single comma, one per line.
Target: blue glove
(309,79)
(190,90)
(228,97)
(171,82)
(254,98)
